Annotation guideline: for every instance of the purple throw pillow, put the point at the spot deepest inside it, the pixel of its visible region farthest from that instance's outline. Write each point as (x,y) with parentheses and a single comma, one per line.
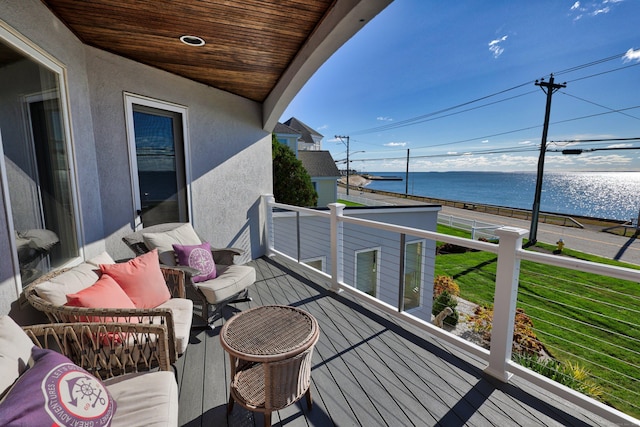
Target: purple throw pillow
(198,257)
(55,391)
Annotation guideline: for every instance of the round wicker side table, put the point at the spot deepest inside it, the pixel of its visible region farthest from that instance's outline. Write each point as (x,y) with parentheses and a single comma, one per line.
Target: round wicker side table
(270,349)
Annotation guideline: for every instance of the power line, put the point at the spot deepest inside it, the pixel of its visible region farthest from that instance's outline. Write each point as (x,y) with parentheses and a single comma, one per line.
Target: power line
(410,121)
(598,105)
(430,116)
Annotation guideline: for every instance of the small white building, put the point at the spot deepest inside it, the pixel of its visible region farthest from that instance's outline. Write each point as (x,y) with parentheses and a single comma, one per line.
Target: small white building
(371,262)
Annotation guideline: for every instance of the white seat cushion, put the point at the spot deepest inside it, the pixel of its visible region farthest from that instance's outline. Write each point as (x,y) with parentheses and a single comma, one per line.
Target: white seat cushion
(182,310)
(231,280)
(182,235)
(81,276)
(145,399)
(15,352)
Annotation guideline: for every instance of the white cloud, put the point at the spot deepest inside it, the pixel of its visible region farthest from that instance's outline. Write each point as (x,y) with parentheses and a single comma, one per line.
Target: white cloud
(395,144)
(593,8)
(323,127)
(452,152)
(622,145)
(384,119)
(631,55)
(484,141)
(601,11)
(495,48)
(611,159)
(525,143)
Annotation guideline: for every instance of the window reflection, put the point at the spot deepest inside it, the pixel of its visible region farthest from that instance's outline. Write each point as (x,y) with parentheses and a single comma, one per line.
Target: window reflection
(37,165)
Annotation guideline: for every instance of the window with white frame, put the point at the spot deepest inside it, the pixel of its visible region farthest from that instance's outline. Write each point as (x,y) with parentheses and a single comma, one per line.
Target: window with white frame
(367,273)
(413,272)
(36,162)
(317,263)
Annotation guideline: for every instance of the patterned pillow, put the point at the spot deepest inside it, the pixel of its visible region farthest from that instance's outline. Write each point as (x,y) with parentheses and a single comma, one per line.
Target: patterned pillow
(54,391)
(198,257)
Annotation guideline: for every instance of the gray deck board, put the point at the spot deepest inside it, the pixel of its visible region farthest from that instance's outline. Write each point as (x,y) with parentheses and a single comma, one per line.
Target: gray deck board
(368,370)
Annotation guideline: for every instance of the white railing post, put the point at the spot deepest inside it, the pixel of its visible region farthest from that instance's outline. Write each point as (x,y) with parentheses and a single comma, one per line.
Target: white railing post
(267,200)
(336,228)
(504,303)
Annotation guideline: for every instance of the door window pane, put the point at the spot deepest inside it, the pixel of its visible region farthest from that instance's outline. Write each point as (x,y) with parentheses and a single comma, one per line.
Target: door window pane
(412,275)
(160,160)
(37,165)
(367,271)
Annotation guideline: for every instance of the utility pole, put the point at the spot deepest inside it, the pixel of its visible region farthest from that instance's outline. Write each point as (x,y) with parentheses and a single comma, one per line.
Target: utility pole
(348,165)
(406,180)
(548,88)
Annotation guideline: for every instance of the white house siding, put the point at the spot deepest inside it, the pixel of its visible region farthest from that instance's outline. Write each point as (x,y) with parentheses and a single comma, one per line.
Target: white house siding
(227,146)
(315,243)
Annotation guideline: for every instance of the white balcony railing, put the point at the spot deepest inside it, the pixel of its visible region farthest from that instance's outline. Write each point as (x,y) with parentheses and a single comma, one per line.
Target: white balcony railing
(334,234)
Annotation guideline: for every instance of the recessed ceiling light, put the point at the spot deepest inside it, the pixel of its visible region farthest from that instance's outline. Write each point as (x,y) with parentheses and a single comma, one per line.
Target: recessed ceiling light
(192,40)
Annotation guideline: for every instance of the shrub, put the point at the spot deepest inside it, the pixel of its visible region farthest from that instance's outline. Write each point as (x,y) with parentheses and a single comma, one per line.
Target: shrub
(525,341)
(445,283)
(445,299)
(572,375)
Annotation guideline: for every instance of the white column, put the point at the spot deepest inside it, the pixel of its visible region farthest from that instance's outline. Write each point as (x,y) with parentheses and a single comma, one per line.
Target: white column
(504,303)
(336,229)
(268,200)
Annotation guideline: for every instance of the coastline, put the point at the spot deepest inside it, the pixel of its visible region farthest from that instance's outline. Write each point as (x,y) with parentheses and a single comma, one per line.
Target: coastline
(595,238)
(354,181)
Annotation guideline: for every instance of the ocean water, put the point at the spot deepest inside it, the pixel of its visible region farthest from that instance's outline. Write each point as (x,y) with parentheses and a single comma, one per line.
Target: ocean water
(610,195)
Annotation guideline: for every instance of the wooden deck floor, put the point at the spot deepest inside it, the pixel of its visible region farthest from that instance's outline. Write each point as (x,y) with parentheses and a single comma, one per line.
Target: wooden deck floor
(368,370)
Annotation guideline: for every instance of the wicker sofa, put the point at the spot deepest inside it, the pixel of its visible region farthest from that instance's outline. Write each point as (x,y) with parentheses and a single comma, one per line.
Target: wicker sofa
(67,374)
(49,295)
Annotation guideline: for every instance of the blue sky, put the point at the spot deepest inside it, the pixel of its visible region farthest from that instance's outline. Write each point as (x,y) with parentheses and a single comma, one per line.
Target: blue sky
(453,82)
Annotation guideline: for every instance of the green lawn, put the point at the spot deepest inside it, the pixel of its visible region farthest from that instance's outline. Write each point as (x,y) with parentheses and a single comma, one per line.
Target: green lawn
(348,203)
(579,317)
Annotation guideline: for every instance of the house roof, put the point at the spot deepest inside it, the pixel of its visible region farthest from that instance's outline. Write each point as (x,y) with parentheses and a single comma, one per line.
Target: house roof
(307,132)
(262,50)
(283,129)
(318,163)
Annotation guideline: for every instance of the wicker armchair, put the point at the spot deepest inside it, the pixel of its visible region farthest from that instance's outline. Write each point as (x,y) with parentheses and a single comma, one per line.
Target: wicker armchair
(124,359)
(100,348)
(161,316)
(232,281)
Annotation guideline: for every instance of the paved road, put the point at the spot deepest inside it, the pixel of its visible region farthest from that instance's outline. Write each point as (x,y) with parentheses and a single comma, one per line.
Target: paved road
(590,241)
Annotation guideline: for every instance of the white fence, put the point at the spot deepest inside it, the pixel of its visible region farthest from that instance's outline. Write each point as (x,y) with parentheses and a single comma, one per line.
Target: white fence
(478,229)
(620,337)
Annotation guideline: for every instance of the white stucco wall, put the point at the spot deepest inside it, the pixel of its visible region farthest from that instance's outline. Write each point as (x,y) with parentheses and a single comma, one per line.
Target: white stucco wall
(227,149)
(229,160)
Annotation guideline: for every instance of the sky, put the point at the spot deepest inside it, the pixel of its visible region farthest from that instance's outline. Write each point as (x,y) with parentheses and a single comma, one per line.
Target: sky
(454,82)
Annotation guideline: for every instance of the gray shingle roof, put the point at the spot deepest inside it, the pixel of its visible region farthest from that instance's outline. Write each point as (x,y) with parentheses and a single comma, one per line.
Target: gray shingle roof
(318,164)
(306,132)
(283,129)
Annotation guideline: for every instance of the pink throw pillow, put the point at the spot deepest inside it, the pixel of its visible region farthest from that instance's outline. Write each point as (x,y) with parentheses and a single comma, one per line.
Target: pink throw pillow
(141,279)
(105,293)
(198,257)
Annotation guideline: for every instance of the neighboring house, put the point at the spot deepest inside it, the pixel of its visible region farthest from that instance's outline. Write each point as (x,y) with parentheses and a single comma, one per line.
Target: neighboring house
(287,136)
(108,121)
(309,138)
(324,175)
(306,143)
(370,260)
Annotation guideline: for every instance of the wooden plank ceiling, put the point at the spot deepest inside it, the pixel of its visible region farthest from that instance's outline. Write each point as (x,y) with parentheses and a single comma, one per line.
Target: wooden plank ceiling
(248,43)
